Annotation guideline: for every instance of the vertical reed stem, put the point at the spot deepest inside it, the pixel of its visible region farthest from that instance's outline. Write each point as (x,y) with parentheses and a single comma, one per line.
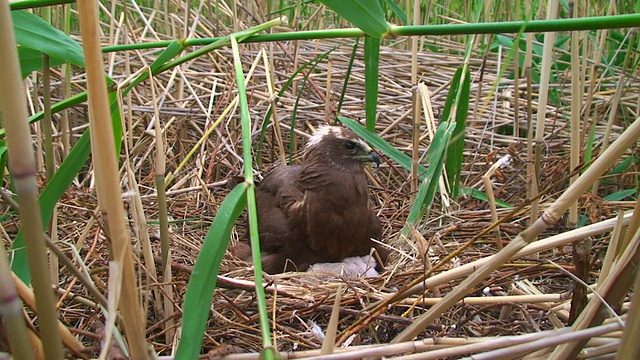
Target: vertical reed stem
(107,178)
(22,165)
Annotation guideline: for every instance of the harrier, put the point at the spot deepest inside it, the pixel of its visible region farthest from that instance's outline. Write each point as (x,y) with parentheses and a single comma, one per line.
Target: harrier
(318,211)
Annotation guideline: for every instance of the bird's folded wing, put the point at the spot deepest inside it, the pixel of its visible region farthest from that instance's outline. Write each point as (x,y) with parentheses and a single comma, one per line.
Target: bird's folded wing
(277,195)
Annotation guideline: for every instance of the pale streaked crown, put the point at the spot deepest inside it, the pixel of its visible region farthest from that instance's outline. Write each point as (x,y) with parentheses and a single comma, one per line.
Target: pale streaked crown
(338,132)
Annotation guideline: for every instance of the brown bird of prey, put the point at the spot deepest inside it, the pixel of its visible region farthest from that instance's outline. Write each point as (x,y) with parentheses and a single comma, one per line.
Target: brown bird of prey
(318,211)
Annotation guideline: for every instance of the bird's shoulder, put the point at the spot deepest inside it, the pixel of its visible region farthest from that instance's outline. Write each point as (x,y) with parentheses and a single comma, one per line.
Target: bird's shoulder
(279,177)
(281,185)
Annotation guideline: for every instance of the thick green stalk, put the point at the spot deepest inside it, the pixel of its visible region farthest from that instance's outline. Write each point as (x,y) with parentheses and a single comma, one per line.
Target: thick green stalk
(31,4)
(534,26)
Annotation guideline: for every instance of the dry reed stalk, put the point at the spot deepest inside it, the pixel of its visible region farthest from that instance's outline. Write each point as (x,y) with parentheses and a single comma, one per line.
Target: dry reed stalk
(108,187)
(549,217)
(566,336)
(488,187)
(629,349)
(274,108)
(22,166)
(613,250)
(541,114)
(489,300)
(612,289)
(330,338)
(167,301)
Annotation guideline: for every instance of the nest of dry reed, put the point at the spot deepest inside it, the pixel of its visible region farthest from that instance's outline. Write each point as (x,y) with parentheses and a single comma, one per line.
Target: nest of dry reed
(300,304)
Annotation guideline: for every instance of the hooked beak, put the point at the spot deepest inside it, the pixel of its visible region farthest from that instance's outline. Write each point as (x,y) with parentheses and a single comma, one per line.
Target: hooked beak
(374,158)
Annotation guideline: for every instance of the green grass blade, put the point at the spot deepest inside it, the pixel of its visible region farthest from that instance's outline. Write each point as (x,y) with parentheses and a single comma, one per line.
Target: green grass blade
(252,212)
(367,15)
(58,184)
(459,107)
(624,165)
(34,33)
(197,299)
(435,156)
(60,181)
(174,49)
(379,143)
(397,11)
(621,195)
(480,195)
(3,159)
(588,149)
(371,68)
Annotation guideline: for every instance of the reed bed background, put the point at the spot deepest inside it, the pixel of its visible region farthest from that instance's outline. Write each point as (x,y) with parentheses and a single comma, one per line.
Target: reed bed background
(182,139)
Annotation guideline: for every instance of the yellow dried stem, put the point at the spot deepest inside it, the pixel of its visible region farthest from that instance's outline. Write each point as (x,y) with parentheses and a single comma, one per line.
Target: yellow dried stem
(545,72)
(332,329)
(107,180)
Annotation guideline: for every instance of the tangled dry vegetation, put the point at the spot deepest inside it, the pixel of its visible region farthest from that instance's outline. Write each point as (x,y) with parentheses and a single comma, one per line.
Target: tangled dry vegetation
(190,101)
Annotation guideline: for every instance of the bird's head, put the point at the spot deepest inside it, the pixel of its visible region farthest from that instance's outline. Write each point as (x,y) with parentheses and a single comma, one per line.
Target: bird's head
(341,147)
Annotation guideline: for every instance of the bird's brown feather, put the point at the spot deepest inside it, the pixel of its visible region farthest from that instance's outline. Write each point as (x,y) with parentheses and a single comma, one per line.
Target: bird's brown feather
(318,211)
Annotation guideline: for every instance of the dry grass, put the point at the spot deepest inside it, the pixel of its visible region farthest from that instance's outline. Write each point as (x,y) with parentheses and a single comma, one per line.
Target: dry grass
(300,304)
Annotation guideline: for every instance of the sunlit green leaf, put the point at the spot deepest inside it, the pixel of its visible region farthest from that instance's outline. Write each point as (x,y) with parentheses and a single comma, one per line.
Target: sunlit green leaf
(31,60)
(197,299)
(435,156)
(34,33)
(455,110)
(367,15)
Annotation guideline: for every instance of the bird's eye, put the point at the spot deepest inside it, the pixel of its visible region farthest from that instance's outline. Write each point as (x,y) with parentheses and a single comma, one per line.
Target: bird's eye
(349,145)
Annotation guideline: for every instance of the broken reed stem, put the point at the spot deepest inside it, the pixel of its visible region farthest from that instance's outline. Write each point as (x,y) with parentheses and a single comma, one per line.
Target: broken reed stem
(332,329)
(541,114)
(22,166)
(576,111)
(488,188)
(612,290)
(108,180)
(629,350)
(548,218)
